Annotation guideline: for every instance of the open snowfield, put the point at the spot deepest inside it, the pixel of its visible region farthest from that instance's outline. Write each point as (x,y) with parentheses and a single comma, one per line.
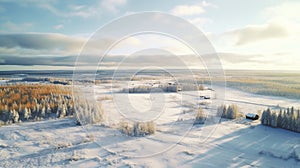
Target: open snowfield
(176,143)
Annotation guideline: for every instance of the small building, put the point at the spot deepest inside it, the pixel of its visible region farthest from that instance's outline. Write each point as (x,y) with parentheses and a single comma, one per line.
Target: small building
(252,116)
(206,97)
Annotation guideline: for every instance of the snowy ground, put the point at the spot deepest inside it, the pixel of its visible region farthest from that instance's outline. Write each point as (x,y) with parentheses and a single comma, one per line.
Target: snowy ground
(177,143)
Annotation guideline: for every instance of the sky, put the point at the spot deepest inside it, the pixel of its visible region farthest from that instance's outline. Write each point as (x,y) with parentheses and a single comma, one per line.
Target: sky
(50,34)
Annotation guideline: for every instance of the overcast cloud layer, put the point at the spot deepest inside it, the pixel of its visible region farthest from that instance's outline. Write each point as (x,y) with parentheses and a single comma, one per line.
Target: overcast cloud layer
(52,33)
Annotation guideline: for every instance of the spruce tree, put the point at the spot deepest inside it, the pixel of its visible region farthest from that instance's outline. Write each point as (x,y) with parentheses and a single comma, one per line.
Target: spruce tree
(279,119)
(274,120)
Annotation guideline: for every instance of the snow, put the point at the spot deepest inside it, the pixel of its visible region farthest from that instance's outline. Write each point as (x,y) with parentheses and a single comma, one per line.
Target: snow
(176,143)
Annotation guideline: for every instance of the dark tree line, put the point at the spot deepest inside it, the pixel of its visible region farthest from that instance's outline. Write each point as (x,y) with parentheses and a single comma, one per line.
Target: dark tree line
(288,119)
(229,111)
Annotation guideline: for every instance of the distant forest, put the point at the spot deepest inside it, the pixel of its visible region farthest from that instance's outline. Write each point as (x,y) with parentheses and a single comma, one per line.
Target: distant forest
(281,84)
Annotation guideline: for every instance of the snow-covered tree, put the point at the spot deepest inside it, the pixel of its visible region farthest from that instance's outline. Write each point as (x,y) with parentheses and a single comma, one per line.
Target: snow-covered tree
(279,119)
(232,111)
(63,112)
(273,119)
(222,110)
(26,114)
(43,112)
(14,116)
(266,117)
(200,117)
(48,110)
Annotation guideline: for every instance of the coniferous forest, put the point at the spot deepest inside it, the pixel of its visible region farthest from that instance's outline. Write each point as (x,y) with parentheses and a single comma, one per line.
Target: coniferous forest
(288,119)
(31,102)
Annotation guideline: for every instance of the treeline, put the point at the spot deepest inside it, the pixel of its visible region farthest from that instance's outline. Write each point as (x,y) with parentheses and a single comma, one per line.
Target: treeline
(229,111)
(163,88)
(288,119)
(137,129)
(266,87)
(148,89)
(225,111)
(263,84)
(23,102)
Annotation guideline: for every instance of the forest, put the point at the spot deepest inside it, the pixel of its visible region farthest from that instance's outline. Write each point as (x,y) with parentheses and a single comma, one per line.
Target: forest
(31,102)
(288,119)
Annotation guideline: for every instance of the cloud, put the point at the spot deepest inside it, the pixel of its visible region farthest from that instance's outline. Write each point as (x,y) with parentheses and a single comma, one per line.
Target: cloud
(191,10)
(54,60)
(36,44)
(286,10)
(257,33)
(13,27)
(279,34)
(55,8)
(162,58)
(240,58)
(67,61)
(50,7)
(287,14)
(282,22)
(200,21)
(137,60)
(41,60)
(58,27)
(228,60)
(48,49)
(187,10)
(113,5)
(43,43)
(83,11)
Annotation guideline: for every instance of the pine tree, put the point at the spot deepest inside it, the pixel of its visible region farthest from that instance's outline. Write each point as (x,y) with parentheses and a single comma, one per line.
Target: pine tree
(230,113)
(136,129)
(29,113)
(48,110)
(279,119)
(34,112)
(266,117)
(284,120)
(200,117)
(298,124)
(289,121)
(263,118)
(58,111)
(274,119)
(223,110)
(14,116)
(63,112)
(43,112)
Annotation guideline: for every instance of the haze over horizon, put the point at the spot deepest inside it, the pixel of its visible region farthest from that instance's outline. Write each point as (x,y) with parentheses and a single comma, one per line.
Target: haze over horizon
(250,35)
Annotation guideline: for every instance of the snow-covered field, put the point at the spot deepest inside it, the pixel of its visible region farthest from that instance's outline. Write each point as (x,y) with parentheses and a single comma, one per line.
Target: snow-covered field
(176,143)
